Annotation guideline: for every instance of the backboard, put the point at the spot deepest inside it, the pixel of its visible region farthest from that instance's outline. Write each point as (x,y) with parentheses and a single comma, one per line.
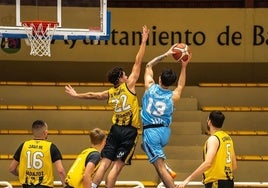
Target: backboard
(90,20)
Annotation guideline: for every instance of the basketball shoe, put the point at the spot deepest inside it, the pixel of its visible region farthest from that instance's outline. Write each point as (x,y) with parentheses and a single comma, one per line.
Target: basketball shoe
(170,171)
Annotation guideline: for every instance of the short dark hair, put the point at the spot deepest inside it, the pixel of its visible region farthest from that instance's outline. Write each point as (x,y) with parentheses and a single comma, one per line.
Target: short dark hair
(38,127)
(217,118)
(37,124)
(168,77)
(114,75)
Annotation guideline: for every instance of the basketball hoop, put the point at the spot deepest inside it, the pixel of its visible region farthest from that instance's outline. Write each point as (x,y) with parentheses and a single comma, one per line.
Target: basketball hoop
(97,29)
(40,34)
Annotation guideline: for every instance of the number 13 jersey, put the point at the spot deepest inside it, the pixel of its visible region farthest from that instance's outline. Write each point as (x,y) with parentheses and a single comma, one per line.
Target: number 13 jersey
(157,106)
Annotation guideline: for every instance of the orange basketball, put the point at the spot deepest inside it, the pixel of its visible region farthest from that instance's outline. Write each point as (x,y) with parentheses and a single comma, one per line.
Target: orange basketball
(182,52)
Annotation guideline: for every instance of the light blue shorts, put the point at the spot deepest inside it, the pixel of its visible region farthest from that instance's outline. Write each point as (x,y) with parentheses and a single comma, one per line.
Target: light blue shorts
(154,140)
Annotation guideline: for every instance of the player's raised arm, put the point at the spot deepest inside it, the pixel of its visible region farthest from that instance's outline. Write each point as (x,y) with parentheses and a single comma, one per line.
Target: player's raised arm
(182,79)
(148,75)
(159,58)
(135,73)
(88,95)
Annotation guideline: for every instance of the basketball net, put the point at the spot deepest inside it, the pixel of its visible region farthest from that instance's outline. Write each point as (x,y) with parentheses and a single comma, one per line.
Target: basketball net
(40,34)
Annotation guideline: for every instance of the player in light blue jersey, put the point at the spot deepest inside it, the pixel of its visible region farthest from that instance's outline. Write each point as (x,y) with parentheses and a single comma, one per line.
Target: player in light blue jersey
(157,109)
(157,105)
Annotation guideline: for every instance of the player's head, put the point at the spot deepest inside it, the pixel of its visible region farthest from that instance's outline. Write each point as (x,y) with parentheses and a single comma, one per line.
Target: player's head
(97,136)
(217,118)
(39,129)
(115,74)
(168,77)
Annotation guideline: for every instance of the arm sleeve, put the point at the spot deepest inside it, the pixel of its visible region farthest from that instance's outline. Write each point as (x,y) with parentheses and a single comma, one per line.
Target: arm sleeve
(17,153)
(93,157)
(55,153)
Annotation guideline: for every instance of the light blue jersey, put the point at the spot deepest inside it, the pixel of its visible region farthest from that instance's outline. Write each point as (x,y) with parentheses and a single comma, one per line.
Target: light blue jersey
(156,114)
(157,106)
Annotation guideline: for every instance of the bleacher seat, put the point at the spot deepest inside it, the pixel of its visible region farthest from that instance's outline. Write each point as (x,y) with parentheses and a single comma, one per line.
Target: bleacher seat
(71,119)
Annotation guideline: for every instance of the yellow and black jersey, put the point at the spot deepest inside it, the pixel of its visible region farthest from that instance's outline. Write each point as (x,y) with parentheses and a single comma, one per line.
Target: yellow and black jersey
(221,168)
(36,163)
(74,177)
(125,105)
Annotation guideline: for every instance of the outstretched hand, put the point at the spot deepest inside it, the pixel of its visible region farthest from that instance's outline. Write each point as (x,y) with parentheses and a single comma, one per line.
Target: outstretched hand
(182,185)
(145,33)
(70,91)
(170,51)
(185,62)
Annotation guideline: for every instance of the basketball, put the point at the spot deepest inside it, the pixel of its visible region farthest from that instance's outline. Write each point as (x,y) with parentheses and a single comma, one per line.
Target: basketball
(182,52)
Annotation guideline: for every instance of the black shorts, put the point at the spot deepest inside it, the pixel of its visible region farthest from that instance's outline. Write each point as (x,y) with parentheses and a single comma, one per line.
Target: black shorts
(120,143)
(220,184)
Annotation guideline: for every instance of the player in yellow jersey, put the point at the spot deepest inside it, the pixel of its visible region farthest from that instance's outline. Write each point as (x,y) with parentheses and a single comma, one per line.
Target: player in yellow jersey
(123,134)
(33,160)
(219,156)
(82,171)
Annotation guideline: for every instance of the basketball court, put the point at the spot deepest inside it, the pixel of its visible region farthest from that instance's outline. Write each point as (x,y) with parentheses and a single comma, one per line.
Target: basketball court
(46,26)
